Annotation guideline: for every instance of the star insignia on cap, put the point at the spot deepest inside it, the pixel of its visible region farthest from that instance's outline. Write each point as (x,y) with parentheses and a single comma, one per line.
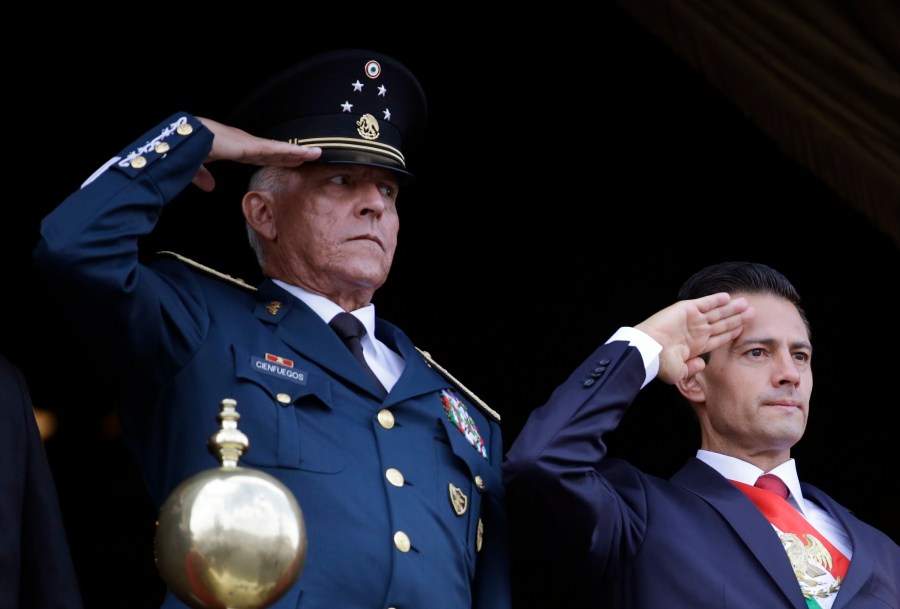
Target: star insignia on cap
(382,90)
(346,106)
(357,86)
(387,114)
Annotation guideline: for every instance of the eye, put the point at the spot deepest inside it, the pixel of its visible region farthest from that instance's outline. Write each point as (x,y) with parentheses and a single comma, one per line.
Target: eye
(802,356)
(339,179)
(388,190)
(757,352)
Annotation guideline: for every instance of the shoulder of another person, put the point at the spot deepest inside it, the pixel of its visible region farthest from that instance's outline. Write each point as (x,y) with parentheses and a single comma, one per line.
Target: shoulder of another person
(493,414)
(211,272)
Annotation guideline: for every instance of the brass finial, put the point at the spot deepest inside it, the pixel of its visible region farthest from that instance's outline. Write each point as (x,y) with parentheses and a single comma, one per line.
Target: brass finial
(229,443)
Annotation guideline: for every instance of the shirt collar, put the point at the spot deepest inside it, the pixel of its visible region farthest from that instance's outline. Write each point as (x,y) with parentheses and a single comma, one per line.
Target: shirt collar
(741,471)
(326,309)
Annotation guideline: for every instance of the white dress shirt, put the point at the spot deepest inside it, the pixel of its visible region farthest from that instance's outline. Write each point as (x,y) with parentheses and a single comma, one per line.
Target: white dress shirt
(385,363)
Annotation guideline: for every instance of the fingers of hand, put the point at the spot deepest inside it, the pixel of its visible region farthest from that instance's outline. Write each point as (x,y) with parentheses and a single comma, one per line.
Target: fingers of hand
(726,322)
(727,329)
(709,304)
(732,315)
(724,310)
(283,154)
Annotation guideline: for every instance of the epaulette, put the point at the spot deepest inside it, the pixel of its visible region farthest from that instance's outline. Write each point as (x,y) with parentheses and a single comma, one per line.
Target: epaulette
(210,271)
(487,409)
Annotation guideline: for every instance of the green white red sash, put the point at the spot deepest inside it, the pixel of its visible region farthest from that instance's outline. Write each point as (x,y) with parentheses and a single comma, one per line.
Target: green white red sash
(819,566)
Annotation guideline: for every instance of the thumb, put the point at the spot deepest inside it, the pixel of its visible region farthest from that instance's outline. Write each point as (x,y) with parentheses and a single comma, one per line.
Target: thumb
(204,180)
(694,365)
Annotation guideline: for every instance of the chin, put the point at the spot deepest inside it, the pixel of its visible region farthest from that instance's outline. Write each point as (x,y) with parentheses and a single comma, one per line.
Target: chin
(373,280)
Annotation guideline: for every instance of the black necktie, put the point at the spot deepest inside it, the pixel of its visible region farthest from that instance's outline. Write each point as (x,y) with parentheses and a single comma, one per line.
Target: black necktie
(351,330)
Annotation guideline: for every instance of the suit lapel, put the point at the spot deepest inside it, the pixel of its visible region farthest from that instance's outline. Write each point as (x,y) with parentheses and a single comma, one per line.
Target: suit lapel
(746,520)
(861,565)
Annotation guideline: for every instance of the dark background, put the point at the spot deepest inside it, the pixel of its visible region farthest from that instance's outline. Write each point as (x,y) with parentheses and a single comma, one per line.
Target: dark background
(564,190)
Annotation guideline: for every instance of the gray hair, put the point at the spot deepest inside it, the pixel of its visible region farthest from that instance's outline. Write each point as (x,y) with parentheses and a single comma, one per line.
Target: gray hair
(270,179)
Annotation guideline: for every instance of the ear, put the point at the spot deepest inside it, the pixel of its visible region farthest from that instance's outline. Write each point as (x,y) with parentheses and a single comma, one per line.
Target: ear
(258,207)
(692,389)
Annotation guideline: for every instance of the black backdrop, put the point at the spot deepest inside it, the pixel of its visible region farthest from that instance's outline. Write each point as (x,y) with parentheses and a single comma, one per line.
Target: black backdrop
(563,191)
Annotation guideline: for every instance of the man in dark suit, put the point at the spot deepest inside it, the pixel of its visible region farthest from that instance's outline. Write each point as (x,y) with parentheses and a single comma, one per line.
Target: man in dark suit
(36,570)
(397,474)
(601,533)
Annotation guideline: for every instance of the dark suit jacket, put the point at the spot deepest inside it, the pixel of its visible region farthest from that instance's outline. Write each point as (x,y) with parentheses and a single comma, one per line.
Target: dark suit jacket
(600,533)
(176,339)
(36,569)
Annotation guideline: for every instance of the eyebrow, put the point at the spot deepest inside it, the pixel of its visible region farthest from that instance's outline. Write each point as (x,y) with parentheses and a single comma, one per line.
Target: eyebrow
(771,342)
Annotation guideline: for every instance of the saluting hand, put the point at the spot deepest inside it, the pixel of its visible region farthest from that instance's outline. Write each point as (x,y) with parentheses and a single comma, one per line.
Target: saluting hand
(233,144)
(690,328)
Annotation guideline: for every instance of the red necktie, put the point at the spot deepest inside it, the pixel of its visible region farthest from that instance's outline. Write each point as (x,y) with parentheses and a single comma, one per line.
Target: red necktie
(812,556)
(774,484)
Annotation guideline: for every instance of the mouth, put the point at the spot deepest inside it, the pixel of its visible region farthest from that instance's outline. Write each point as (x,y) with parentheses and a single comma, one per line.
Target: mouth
(784,404)
(371,238)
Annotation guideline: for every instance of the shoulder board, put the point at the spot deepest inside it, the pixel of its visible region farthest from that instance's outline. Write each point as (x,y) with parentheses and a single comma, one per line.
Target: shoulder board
(209,271)
(487,409)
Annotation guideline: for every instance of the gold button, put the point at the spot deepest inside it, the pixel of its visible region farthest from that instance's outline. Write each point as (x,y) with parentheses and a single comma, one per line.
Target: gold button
(138,162)
(401,540)
(162,147)
(394,476)
(184,129)
(386,418)
(283,398)
(479,482)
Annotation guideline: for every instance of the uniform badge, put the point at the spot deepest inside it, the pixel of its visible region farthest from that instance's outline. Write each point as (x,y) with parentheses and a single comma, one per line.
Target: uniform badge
(458,499)
(479,538)
(281,367)
(277,359)
(273,307)
(458,414)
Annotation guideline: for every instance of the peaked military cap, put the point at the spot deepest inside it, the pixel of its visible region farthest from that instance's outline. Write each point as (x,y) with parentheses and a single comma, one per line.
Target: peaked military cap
(359,106)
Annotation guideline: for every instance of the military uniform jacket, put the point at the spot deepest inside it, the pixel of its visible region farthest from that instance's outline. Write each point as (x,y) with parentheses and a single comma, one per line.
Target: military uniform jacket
(617,537)
(177,340)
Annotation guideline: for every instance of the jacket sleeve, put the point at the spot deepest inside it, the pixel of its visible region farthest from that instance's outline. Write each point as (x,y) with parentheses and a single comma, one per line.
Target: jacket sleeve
(569,512)
(88,250)
(562,441)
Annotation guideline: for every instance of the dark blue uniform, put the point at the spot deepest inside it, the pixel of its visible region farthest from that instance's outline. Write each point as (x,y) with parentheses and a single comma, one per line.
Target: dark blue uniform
(179,338)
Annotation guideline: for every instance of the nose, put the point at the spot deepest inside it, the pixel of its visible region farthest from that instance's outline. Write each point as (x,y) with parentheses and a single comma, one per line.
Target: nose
(371,200)
(786,371)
